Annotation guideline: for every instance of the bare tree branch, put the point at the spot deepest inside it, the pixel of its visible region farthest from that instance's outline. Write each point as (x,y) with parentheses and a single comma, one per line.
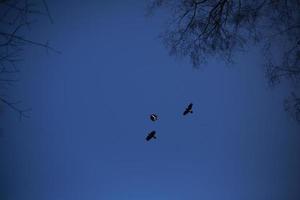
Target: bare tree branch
(14,105)
(204,29)
(15,15)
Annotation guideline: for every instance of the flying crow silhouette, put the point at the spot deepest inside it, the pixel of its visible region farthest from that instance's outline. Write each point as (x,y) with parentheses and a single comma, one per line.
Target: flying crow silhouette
(151,135)
(188,109)
(153,117)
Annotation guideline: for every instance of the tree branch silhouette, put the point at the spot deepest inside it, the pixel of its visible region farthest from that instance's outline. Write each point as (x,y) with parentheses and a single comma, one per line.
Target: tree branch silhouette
(15,16)
(205,29)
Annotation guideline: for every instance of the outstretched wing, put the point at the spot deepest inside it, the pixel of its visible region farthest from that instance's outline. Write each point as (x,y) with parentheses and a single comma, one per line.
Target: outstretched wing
(185,112)
(150,135)
(190,106)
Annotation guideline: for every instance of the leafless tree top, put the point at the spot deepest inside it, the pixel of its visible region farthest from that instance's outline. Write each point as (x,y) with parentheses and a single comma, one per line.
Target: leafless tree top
(16,17)
(204,29)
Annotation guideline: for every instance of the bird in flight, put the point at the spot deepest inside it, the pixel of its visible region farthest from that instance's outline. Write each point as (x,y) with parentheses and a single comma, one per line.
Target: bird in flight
(153,117)
(188,109)
(151,135)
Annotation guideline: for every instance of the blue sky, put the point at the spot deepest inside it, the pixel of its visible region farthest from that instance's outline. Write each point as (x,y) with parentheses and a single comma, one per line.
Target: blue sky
(90,116)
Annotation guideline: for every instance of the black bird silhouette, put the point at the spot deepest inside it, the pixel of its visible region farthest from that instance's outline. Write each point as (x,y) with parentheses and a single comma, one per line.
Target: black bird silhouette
(151,135)
(153,117)
(188,109)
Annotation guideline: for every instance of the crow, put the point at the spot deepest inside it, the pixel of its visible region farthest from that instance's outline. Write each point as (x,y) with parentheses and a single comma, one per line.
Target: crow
(153,117)
(151,135)
(188,109)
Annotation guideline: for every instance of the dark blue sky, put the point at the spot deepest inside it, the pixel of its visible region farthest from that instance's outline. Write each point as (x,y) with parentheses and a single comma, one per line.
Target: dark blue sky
(90,115)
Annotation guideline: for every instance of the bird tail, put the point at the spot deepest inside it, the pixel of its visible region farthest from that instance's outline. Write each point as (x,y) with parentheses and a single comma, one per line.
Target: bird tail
(191,111)
(154,137)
